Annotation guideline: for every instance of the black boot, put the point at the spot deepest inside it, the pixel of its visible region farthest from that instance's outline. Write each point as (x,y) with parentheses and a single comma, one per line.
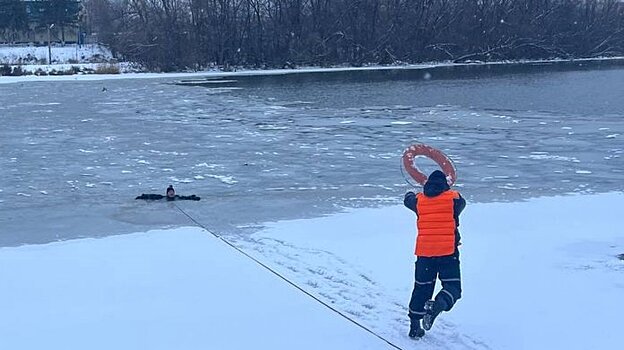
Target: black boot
(415,330)
(432,309)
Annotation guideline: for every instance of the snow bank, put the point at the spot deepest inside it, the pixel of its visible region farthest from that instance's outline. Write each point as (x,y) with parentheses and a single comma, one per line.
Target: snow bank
(91,53)
(178,289)
(541,274)
(68,60)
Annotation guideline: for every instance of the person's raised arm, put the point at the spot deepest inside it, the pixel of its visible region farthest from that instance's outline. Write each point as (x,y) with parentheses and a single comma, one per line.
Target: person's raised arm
(410,201)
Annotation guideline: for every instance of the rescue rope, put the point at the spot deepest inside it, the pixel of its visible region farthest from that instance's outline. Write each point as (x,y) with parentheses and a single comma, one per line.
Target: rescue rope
(286,279)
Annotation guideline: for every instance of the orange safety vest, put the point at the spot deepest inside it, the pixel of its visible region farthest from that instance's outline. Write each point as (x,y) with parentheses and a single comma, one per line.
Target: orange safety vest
(436,224)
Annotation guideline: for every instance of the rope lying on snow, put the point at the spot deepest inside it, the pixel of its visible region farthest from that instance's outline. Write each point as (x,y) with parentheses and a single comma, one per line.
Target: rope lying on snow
(286,279)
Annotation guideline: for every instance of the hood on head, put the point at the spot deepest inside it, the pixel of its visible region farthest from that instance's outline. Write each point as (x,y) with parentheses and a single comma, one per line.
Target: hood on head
(436,184)
(170,188)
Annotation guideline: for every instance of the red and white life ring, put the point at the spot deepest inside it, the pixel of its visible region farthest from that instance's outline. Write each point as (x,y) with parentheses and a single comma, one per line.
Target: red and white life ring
(434,154)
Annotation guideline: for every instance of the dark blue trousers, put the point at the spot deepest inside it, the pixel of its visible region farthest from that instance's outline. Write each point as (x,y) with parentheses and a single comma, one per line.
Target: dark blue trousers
(428,270)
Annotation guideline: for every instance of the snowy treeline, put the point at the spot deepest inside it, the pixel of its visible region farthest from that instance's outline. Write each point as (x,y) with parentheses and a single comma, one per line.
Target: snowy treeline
(174,34)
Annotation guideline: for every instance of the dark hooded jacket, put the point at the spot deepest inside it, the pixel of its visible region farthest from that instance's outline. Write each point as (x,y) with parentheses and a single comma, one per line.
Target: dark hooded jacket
(436,184)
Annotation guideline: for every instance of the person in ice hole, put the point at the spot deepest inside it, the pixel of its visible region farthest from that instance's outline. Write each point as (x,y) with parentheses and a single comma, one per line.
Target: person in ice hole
(170,195)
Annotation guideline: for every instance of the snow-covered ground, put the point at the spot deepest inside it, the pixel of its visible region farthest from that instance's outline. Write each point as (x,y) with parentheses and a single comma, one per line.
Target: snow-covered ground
(68,58)
(91,53)
(540,274)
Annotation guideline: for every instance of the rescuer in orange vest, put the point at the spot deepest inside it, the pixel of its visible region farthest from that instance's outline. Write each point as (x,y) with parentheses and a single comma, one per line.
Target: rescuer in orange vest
(437,208)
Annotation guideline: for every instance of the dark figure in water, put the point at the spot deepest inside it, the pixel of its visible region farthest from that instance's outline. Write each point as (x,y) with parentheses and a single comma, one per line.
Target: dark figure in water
(170,196)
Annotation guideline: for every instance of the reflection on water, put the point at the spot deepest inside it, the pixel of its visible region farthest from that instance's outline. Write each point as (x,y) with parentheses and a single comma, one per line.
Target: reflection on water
(266,148)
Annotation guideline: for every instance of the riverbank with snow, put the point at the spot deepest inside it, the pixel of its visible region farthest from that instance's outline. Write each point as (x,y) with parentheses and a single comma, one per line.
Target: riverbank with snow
(67,60)
(68,54)
(87,69)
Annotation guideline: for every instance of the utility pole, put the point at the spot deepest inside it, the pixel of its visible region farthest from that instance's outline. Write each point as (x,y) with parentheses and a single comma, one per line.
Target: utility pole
(49,45)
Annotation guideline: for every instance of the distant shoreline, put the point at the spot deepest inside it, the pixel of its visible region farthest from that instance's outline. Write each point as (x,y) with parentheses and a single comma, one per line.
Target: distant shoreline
(302,70)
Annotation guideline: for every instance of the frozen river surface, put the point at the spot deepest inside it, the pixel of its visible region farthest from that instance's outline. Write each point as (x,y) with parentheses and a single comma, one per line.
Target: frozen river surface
(257,149)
